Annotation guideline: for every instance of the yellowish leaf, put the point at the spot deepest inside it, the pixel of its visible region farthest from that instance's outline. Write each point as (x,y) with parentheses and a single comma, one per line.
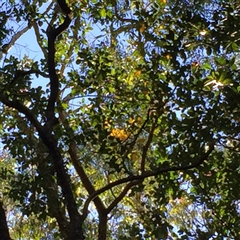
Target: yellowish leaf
(119,133)
(135,156)
(137,73)
(141,141)
(142,28)
(131,120)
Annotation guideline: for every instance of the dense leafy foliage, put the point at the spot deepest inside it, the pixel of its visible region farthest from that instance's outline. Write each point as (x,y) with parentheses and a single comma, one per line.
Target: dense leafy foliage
(124,124)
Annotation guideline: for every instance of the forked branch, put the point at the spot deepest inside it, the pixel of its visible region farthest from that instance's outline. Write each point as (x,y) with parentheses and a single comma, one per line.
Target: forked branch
(147,174)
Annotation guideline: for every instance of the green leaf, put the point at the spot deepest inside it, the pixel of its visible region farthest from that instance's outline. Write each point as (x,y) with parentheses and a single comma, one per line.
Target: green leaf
(221,60)
(234,46)
(103,13)
(207,66)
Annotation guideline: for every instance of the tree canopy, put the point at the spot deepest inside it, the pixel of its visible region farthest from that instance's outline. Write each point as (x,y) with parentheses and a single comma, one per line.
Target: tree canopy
(120,119)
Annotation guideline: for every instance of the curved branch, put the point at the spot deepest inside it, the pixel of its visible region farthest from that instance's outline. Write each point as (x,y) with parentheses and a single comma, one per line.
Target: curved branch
(62,177)
(22,109)
(37,33)
(121,195)
(147,174)
(16,36)
(21,74)
(73,146)
(54,81)
(74,159)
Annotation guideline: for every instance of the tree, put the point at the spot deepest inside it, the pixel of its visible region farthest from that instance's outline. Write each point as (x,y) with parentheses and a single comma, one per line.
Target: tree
(135,135)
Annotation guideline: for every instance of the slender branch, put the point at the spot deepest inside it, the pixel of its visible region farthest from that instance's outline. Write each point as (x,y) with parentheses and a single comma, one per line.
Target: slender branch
(73,146)
(17,35)
(125,28)
(123,19)
(22,109)
(75,161)
(146,175)
(15,38)
(146,146)
(71,48)
(37,34)
(36,29)
(131,145)
(121,195)
(22,74)
(34,71)
(150,136)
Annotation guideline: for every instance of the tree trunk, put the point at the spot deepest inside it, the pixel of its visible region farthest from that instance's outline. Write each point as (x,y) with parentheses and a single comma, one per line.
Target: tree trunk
(75,234)
(4,233)
(102,227)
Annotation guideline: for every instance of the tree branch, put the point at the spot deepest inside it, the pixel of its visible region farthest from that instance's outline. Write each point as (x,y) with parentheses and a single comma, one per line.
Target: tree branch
(146,146)
(20,73)
(22,109)
(73,146)
(62,177)
(74,159)
(70,50)
(121,195)
(16,36)
(131,145)
(65,8)
(54,81)
(146,175)
(36,29)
